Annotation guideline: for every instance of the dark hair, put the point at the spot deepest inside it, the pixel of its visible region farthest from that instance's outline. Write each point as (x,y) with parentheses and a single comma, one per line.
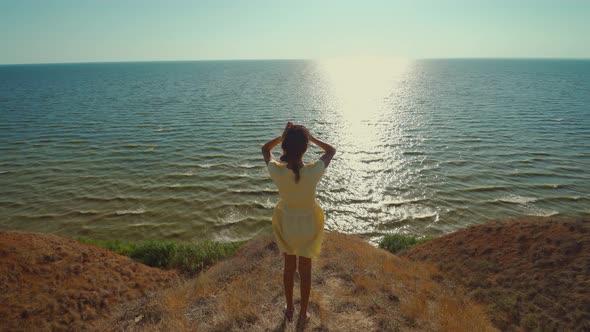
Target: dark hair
(294,146)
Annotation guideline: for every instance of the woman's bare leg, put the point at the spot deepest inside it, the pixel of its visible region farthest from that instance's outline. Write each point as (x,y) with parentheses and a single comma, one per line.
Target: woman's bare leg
(288,281)
(305,280)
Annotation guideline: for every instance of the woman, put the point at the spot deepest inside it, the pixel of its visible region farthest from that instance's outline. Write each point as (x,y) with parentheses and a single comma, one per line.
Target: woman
(298,220)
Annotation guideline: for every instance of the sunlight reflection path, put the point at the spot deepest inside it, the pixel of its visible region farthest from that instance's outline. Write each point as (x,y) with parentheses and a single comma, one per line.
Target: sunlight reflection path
(368,100)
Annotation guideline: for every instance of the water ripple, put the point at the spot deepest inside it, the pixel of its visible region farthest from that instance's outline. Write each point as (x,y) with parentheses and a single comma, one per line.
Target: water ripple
(152,150)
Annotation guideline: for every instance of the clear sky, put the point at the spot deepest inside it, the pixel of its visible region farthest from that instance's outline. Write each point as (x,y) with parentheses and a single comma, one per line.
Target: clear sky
(138,30)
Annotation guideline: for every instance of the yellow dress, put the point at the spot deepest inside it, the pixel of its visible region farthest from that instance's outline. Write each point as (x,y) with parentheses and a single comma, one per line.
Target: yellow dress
(298,219)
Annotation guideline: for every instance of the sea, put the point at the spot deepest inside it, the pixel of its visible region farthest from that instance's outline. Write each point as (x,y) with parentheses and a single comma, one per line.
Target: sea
(171,150)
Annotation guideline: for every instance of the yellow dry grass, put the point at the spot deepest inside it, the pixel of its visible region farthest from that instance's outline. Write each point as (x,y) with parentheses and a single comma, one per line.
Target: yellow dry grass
(355,287)
(531,273)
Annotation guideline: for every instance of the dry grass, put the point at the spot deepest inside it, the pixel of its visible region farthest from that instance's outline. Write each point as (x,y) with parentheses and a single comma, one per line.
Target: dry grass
(533,274)
(356,287)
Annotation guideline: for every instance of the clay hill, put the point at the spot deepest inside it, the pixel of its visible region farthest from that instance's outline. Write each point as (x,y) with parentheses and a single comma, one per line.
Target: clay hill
(532,274)
(51,283)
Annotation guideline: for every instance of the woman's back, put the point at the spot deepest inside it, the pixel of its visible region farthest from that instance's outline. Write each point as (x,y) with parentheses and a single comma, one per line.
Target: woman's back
(300,194)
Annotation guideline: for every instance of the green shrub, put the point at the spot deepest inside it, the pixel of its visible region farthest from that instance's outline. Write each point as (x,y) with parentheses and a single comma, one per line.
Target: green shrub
(116,246)
(190,258)
(399,242)
(187,258)
(155,253)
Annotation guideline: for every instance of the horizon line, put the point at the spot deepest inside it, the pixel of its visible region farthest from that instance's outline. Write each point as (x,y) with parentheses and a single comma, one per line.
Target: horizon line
(289,59)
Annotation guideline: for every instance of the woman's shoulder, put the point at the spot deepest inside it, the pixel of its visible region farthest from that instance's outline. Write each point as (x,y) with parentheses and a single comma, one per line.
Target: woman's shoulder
(276,163)
(316,167)
(316,164)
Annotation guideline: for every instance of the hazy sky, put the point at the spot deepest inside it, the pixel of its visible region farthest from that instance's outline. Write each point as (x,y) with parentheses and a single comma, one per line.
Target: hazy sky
(126,30)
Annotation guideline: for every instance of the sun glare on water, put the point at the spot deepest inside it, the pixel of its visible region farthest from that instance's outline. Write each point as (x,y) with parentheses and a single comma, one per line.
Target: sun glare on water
(359,90)
(362,114)
(361,85)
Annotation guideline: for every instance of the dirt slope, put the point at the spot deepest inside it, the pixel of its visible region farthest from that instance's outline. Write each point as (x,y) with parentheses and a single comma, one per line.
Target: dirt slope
(532,273)
(356,287)
(52,283)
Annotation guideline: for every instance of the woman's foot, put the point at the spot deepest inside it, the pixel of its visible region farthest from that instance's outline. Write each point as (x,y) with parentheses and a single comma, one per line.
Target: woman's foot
(303,319)
(289,313)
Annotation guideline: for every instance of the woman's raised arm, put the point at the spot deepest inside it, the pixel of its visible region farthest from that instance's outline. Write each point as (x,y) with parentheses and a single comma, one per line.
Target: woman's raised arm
(268,146)
(329,150)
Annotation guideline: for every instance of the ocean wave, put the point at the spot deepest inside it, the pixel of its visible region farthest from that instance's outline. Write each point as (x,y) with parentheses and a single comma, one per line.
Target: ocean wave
(14,148)
(466,140)
(402,202)
(463,177)
(484,188)
(175,199)
(367,152)
(235,207)
(340,210)
(21,170)
(540,212)
(128,212)
(11,203)
(182,186)
(358,200)
(181,174)
(567,169)
(253,191)
(456,162)
(249,221)
(110,199)
(42,216)
(196,165)
(374,160)
(205,165)
(87,212)
(230,176)
(522,161)
(216,155)
(529,173)
(425,215)
(212,148)
(60,215)
(76,141)
(413,153)
(516,199)
(134,145)
(249,166)
(266,205)
(548,185)
(562,198)
(114,159)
